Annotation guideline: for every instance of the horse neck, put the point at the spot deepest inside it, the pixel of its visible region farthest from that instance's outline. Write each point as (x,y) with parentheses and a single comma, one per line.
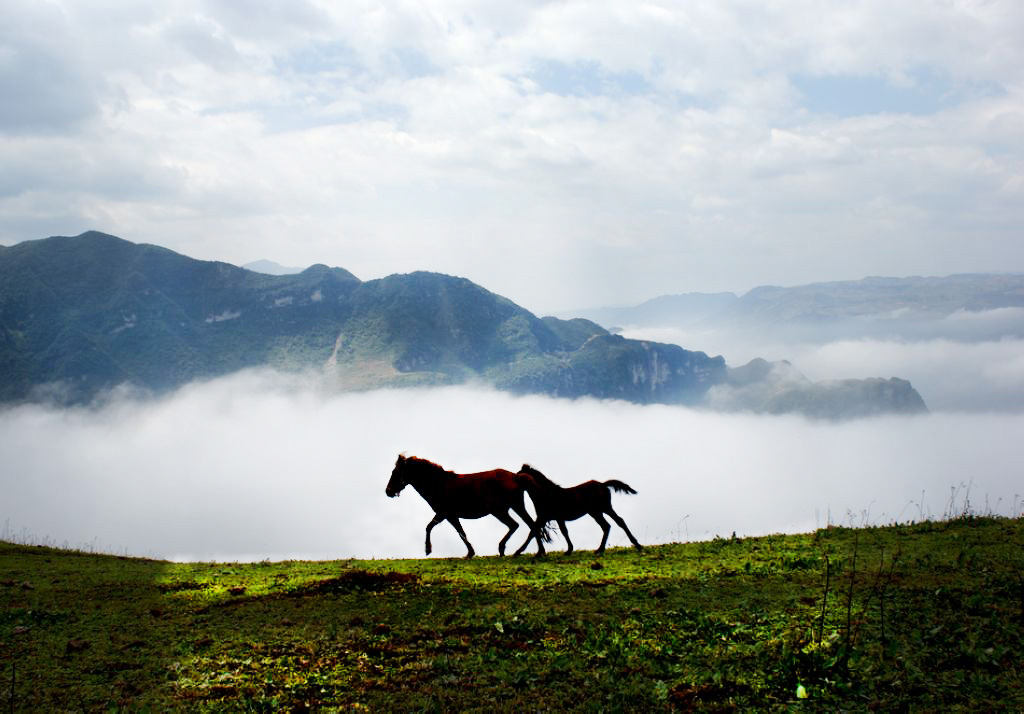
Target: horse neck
(428,479)
(542,480)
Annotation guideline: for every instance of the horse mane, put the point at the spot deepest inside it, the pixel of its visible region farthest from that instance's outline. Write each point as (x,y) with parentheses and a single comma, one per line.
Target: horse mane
(426,464)
(538,476)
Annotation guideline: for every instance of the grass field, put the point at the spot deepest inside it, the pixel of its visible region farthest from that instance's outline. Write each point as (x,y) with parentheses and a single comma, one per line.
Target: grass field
(927,616)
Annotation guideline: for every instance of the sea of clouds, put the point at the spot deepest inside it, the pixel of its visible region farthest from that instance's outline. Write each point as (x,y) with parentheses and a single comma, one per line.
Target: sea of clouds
(262,465)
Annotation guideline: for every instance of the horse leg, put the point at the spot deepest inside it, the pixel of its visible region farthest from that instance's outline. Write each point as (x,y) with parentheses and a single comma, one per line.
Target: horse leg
(622,524)
(604,527)
(535,527)
(521,548)
(565,534)
(535,534)
(512,527)
(535,530)
(430,526)
(462,534)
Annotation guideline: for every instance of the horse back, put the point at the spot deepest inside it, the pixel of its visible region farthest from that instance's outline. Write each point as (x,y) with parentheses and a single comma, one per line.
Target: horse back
(589,489)
(496,480)
(477,494)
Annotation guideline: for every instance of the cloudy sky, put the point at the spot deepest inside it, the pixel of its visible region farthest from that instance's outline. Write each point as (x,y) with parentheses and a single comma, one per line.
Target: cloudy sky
(563,154)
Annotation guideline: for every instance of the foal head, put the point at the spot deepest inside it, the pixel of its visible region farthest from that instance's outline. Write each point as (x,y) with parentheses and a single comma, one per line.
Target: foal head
(537,477)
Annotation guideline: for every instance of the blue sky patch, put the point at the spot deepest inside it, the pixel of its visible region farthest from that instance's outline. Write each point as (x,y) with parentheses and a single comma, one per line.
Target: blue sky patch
(318,58)
(582,79)
(929,91)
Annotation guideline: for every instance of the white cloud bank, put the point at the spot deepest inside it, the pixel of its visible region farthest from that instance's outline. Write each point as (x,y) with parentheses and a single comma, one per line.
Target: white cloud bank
(258,465)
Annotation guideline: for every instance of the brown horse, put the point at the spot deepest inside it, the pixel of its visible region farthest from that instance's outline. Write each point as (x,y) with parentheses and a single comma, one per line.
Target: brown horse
(454,496)
(554,503)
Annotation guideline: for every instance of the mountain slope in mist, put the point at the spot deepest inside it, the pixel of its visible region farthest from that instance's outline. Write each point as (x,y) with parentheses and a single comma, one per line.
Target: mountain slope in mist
(82,314)
(85,313)
(94,311)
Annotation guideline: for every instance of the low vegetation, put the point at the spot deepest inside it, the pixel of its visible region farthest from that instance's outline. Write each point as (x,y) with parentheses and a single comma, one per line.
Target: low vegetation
(928,616)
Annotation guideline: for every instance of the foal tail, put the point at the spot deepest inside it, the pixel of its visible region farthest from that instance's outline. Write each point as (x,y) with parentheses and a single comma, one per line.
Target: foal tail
(620,486)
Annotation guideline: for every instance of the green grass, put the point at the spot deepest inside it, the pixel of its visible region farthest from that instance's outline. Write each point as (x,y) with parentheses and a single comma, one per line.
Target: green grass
(927,616)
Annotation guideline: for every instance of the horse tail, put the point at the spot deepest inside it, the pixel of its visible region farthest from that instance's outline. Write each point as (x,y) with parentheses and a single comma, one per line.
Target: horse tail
(545,532)
(620,486)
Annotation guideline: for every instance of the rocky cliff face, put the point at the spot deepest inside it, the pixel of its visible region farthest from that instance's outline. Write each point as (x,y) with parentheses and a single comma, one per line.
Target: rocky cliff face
(610,367)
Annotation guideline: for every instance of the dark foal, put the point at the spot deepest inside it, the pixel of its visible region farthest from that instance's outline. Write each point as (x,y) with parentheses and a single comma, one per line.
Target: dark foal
(555,503)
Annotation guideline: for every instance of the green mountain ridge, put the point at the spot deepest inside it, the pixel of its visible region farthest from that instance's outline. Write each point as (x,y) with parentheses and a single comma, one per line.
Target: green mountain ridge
(79,315)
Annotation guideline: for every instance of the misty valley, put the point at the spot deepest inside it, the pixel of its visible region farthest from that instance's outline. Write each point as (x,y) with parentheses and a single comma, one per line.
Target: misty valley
(212,412)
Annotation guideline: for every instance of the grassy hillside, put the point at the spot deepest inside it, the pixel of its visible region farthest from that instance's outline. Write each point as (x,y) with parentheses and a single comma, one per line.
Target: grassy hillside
(929,616)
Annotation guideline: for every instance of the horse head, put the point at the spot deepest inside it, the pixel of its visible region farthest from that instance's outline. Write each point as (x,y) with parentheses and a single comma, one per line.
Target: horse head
(398,479)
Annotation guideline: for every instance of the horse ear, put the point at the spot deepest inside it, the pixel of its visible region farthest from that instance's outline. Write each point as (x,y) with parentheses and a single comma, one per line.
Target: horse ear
(401,458)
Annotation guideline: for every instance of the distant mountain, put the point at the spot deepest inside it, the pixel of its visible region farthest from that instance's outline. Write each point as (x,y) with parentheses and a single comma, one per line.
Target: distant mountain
(269,267)
(932,297)
(778,388)
(893,300)
(82,314)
